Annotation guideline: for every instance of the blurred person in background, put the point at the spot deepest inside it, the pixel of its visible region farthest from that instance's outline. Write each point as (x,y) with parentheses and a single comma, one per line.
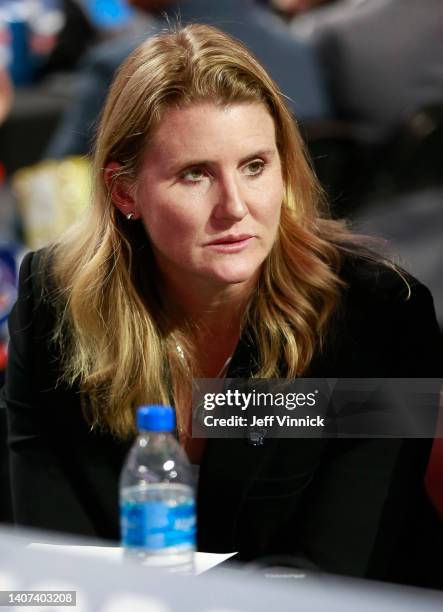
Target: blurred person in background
(45,36)
(209,251)
(292,8)
(383,59)
(75,36)
(291,63)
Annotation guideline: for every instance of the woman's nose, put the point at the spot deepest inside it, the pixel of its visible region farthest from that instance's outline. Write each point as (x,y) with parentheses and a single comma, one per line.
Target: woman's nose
(231,201)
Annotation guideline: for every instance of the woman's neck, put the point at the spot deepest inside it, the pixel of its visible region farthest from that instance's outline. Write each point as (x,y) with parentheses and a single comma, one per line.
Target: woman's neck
(212,311)
(214,320)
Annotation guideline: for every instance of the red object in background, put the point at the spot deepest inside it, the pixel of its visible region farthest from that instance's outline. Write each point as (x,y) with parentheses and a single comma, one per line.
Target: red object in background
(3,356)
(43,44)
(434,472)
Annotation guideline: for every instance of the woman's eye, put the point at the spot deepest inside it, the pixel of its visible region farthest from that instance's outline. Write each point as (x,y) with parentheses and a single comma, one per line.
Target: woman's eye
(193,175)
(255,167)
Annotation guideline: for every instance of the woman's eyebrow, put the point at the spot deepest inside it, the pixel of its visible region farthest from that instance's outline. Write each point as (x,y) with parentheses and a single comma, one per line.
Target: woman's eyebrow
(180,166)
(261,153)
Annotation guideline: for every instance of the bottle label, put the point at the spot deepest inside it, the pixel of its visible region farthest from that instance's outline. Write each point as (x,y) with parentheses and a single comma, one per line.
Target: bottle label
(155,525)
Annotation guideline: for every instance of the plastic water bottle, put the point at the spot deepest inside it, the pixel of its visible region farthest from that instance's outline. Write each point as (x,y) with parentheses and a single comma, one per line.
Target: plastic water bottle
(157,499)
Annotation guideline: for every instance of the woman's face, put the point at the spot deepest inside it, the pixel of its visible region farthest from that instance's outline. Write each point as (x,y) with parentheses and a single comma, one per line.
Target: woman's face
(210,191)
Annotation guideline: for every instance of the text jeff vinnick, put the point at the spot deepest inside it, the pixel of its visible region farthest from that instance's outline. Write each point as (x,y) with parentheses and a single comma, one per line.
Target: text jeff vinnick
(267,421)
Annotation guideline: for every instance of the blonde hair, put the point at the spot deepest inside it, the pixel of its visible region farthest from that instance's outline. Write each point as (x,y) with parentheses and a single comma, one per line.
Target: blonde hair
(115,342)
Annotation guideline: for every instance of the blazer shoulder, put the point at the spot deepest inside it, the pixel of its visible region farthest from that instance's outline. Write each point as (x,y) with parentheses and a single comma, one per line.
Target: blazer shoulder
(33,286)
(376,282)
(33,262)
(386,324)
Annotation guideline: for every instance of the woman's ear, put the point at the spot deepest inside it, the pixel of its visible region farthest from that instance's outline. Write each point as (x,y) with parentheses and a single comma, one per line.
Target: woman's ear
(121,190)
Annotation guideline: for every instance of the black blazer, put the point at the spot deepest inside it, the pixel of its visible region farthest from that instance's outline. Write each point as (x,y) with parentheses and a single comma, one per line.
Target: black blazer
(348,506)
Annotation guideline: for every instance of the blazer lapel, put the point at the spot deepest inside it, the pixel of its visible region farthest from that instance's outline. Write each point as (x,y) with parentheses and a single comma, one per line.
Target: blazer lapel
(228,469)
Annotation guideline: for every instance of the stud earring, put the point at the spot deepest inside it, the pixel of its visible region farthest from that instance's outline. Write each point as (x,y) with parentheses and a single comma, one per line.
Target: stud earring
(130,216)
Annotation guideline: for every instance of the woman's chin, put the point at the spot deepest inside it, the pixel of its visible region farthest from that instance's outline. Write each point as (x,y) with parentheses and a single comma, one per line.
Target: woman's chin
(234,276)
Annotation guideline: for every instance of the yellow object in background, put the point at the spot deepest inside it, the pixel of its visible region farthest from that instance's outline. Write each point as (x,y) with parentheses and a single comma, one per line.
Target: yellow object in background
(50,196)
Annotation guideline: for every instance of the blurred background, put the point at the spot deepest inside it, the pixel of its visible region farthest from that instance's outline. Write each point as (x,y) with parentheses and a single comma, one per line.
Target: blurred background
(364,79)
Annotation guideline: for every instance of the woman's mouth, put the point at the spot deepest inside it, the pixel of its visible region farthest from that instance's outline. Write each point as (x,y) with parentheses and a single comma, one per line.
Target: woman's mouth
(231,244)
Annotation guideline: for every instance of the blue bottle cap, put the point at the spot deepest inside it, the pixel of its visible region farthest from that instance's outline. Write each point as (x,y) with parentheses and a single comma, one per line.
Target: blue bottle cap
(155,418)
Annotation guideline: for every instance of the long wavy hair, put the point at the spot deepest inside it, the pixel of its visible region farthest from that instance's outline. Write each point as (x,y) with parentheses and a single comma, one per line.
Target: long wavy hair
(115,341)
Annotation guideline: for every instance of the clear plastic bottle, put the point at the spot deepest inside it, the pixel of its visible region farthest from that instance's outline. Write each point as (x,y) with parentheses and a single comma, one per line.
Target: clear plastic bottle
(157,497)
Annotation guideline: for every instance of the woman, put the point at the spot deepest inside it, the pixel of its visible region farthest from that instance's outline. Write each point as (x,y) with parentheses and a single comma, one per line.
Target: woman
(208,251)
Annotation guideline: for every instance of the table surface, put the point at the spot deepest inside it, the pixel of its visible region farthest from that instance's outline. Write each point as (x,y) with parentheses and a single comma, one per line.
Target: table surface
(203,561)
